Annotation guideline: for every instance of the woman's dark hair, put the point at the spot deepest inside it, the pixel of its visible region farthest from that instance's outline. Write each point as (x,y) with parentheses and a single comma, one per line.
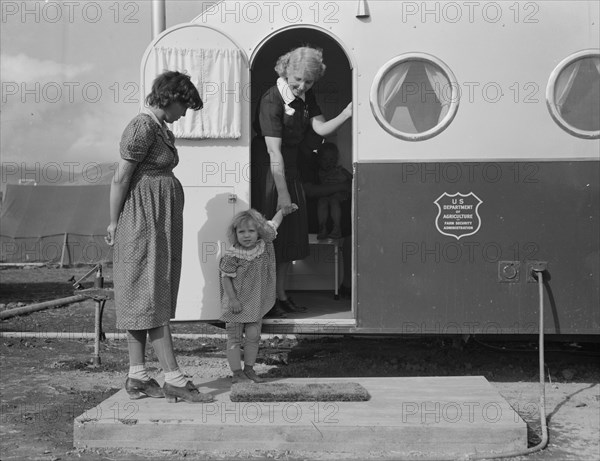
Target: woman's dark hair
(172,86)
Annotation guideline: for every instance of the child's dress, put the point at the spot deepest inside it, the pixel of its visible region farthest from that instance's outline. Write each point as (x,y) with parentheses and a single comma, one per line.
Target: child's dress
(336,175)
(252,273)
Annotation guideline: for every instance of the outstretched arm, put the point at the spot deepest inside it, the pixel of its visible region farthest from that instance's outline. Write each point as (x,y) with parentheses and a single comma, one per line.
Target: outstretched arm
(278,171)
(326,127)
(278,218)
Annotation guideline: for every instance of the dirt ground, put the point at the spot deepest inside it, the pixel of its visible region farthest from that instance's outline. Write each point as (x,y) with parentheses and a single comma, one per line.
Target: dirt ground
(46,382)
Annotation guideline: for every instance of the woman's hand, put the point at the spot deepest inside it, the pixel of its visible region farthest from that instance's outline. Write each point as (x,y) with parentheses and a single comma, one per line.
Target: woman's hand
(284,203)
(110,234)
(235,305)
(293,207)
(324,127)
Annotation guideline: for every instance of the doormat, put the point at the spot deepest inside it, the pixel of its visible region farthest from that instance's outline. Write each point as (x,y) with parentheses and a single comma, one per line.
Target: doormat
(297,392)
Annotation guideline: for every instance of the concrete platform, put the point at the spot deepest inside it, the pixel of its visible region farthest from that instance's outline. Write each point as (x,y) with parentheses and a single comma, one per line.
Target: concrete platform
(421,416)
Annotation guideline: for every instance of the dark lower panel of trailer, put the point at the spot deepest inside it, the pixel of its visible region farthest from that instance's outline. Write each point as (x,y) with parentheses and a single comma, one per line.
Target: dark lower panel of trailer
(447,248)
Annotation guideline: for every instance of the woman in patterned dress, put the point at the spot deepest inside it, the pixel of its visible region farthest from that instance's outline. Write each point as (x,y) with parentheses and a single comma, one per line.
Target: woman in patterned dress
(285,113)
(248,286)
(146,229)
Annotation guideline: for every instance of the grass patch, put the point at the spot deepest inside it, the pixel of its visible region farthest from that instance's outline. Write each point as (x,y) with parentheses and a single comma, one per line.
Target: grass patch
(296,392)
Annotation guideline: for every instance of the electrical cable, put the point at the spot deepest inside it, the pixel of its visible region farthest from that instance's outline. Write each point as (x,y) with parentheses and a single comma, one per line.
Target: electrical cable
(538,273)
(503,349)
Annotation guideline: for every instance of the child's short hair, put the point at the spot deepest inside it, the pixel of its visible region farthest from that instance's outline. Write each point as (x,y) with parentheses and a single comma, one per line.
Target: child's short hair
(242,217)
(328,148)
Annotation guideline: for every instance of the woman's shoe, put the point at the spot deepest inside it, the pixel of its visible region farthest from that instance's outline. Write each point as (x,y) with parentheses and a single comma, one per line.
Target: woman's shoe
(276,312)
(136,388)
(251,374)
(290,306)
(189,393)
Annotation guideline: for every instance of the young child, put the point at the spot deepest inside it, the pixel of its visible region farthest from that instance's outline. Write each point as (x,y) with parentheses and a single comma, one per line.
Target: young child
(248,286)
(331,173)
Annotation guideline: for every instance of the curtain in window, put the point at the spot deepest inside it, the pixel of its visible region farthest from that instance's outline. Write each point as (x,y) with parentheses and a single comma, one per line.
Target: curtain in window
(217,75)
(390,87)
(440,83)
(564,82)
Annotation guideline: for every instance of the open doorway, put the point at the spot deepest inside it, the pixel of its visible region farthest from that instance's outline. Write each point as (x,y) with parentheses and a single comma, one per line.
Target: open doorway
(311,281)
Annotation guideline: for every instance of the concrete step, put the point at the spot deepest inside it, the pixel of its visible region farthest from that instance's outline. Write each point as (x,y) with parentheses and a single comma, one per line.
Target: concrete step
(421,416)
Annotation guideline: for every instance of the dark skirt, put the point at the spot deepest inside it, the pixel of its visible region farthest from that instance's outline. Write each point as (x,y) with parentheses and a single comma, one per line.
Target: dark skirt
(291,243)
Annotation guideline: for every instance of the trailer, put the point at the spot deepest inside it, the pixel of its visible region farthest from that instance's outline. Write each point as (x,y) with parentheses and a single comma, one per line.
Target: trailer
(474,146)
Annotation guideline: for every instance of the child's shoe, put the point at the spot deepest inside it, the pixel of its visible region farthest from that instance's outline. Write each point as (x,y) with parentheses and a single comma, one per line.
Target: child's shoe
(239,377)
(251,374)
(322,235)
(336,233)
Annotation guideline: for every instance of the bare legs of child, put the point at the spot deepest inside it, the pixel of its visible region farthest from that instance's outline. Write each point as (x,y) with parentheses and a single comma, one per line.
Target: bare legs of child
(325,205)
(139,383)
(235,337)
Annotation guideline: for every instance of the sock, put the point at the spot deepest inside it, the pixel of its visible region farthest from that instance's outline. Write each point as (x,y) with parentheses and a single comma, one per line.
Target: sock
(175,378)
(139,372)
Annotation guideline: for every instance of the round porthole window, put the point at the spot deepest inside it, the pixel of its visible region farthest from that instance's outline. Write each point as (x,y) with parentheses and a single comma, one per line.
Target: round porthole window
(573,94)
(414,96)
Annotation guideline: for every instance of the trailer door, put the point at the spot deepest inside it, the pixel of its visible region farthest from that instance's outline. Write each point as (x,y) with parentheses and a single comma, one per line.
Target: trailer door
(213,153)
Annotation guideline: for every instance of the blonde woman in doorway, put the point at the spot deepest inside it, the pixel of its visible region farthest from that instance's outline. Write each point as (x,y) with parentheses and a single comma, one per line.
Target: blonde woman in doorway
(284,115)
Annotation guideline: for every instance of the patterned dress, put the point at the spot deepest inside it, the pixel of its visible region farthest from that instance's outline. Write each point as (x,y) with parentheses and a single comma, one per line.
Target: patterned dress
(149,236)
(252,273)
(290,122)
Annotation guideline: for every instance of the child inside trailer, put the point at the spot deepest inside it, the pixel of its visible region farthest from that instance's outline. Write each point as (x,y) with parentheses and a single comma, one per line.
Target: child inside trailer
(330,172)
(315,190)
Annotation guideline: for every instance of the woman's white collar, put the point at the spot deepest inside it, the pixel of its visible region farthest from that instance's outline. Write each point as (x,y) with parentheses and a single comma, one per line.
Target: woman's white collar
(146,110)
(286,92)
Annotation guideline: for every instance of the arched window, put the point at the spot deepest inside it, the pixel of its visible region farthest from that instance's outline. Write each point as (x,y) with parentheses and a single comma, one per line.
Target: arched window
(414,96)
(573,94)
